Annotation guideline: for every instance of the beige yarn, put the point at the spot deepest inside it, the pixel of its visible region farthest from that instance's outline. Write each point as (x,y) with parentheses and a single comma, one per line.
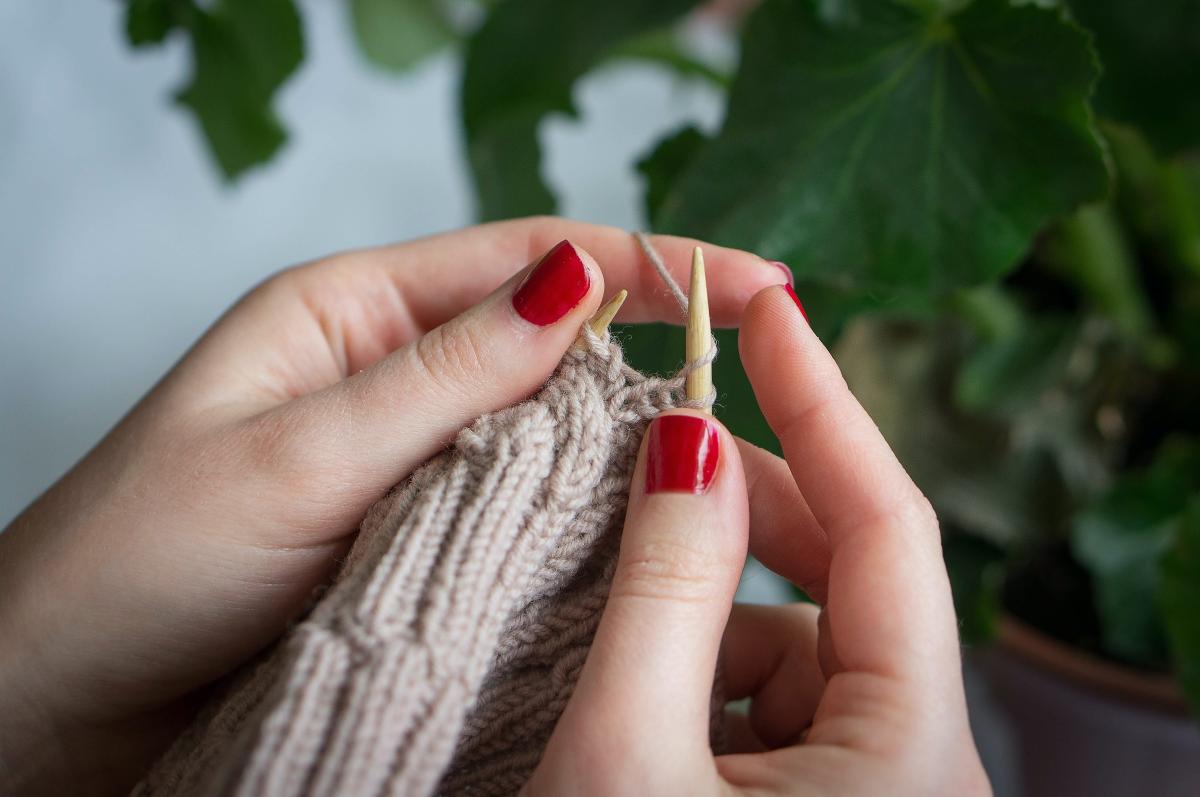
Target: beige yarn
(453,635)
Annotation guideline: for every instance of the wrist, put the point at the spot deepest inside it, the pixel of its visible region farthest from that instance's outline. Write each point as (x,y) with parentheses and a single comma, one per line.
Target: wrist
(42,754)
(44,747)
(30,750)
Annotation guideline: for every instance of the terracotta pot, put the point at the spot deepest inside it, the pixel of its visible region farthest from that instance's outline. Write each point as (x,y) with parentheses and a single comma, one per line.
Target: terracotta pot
(1086,726)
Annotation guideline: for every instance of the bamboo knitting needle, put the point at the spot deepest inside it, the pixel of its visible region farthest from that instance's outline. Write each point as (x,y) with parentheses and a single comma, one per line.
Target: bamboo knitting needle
(604,316)
(698,337)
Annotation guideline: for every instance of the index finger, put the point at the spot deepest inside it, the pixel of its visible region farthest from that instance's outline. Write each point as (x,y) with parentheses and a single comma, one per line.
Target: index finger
(442,275)
(889,601)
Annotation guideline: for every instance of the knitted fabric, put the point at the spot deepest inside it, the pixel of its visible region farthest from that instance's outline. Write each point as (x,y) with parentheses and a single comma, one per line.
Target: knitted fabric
(450,641)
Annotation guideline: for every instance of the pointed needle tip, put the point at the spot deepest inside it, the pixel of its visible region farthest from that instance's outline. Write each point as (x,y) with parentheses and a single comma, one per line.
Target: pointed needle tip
(698,338)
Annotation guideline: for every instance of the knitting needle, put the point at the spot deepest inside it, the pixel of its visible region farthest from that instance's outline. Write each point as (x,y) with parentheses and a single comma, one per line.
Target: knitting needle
(604,316)
(698,336)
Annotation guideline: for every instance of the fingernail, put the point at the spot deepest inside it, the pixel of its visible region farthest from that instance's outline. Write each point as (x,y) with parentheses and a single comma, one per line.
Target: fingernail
(784,268)
(681,454)
(555,285)
(796,299)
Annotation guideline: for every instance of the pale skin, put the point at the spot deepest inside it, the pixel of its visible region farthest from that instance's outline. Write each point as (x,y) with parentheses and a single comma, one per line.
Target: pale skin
(199,526)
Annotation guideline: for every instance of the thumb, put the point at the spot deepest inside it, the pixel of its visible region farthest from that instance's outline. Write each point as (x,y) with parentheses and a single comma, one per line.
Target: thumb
(375,427)
(647,682)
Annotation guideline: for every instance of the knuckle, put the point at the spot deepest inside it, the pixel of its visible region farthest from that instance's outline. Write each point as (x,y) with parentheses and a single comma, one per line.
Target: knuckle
(666,570)
(917,510)
(308,279)
(912,510)
(542,220)
(287,279)
(269,446)
(453,357)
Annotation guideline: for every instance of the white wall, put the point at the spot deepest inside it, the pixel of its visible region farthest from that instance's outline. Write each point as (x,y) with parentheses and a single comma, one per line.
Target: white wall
(119,243)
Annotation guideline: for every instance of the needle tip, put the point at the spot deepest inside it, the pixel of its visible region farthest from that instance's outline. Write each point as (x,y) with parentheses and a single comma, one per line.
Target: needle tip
(605,314)
(698,338)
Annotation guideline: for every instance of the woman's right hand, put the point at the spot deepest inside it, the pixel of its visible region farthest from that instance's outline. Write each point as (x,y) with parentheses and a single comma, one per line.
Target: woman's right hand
(199,527)
(863,696)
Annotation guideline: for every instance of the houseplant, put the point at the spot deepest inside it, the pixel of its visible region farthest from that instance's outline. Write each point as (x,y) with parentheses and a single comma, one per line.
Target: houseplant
(992,210)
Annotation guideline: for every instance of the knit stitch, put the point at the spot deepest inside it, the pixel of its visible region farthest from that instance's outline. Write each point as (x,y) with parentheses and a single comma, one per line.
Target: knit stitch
(453,635)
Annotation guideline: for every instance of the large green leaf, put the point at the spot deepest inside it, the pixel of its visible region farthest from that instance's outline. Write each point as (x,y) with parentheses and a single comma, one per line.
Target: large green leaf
(1151,55)
(397,34)
(878,145)
(149,21)
(663,165)
(1180,600)
(242,52)
(520,66)
(1121,540)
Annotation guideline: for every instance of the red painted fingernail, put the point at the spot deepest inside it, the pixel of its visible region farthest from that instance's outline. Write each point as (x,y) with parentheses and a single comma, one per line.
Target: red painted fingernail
(784,268)
(796,299)
(555,285)
(681,454)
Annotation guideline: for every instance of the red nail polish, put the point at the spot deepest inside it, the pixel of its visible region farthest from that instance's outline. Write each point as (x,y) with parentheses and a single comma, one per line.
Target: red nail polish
(796,299)
(555,285)
(784,268)
(681,454)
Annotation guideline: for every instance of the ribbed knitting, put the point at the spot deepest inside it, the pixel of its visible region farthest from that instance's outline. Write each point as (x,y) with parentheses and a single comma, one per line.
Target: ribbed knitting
(451,639)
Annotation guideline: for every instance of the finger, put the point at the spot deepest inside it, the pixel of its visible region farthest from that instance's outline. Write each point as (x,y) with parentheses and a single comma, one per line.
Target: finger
(370,430)
(648,678)
(884,542)
(316,324)
(784,535)
(769,654)
(441,275)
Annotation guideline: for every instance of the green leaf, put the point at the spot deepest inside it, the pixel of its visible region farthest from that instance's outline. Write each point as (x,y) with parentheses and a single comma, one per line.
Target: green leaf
(519,68)
(1159,198)
(1181,208)
(665,48)
(1012,372)
(1090,248)
(831,307)
(1180,600)
(878,145)
(149,21)
(976,569)
(991,312)
(242,52)
(398,34)
(665,162)
(1151,56)
(1122,538)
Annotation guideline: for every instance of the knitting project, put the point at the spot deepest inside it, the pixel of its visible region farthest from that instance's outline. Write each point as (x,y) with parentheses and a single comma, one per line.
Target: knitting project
(450,641)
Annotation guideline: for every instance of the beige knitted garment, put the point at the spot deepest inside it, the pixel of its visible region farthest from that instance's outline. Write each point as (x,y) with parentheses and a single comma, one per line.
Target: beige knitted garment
(449,642)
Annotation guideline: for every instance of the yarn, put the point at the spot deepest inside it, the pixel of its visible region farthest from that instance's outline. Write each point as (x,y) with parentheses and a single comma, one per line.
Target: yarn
(453,635)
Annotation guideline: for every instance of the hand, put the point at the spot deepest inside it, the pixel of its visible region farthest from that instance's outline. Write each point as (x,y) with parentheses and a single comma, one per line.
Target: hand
(193,533)
(863,696)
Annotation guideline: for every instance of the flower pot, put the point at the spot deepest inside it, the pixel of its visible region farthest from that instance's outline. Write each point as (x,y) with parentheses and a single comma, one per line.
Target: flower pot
(1086,726)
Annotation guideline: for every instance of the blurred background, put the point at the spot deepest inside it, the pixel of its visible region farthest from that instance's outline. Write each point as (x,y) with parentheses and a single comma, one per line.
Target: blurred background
(1011,284)
(120,242)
